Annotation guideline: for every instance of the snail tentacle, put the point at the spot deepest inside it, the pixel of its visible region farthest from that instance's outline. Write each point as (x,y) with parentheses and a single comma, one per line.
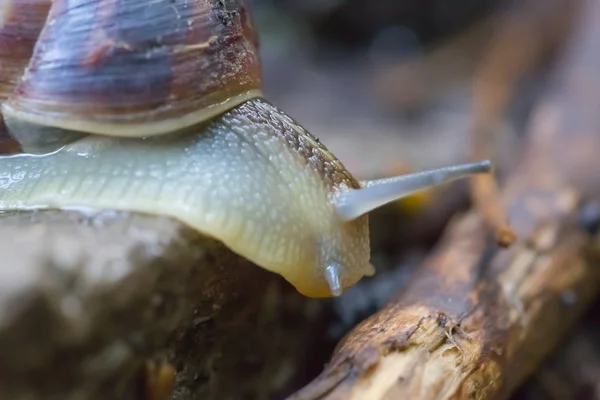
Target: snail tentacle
(353,203)
(332,274)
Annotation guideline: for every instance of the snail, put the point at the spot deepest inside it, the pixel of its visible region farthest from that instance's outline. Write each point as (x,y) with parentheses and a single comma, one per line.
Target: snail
(156,107)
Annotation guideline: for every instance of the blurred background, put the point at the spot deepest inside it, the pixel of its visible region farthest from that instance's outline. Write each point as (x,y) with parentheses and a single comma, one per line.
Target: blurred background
(387,85)
(383,83)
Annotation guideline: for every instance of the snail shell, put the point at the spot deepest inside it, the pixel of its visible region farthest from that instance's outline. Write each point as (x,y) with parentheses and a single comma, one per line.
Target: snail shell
(20,24)
(158,110)
(134,68)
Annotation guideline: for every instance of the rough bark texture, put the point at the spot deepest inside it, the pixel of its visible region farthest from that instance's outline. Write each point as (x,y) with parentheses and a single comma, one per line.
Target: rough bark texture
(86,301)
(476,320)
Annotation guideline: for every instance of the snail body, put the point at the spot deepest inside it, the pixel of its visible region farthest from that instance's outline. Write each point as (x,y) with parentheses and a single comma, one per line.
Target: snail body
(248,175)
(263,192)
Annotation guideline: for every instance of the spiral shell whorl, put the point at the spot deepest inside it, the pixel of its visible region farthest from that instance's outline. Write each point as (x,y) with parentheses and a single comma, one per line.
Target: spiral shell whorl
(20,24)
(138,67)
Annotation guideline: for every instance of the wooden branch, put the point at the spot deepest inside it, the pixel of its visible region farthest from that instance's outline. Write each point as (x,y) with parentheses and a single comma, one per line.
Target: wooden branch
(476,320)
(87,301)
(531,33)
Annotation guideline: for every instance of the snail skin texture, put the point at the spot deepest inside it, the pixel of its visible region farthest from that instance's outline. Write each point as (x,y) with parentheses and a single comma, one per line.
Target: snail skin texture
(155,106)
(253,179)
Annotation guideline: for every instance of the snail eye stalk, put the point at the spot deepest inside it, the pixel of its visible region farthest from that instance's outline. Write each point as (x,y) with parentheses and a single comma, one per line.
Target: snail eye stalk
(353,203)
(332,275)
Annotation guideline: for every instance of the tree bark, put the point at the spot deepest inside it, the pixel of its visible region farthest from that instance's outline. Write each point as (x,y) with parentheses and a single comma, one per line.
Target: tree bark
(476,320)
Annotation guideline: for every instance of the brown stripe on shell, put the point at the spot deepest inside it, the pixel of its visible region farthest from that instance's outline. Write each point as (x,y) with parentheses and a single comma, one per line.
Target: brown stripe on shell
(21,22)
(139,60)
